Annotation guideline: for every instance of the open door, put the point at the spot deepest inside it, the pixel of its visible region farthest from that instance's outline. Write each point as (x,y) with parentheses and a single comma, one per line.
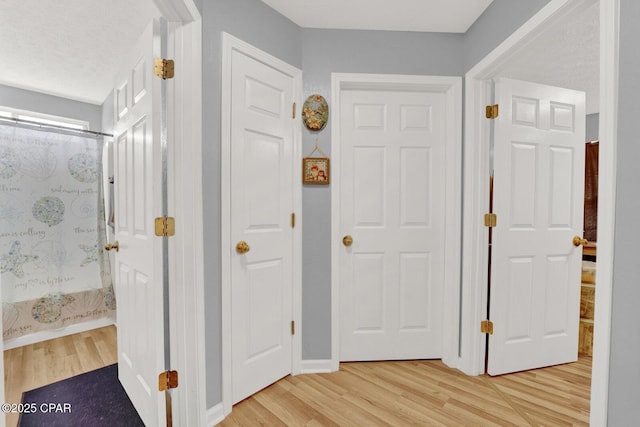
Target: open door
(138,199)
(538,199)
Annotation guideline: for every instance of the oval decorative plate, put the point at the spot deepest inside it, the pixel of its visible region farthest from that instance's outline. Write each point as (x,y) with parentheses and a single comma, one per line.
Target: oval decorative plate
(315,112)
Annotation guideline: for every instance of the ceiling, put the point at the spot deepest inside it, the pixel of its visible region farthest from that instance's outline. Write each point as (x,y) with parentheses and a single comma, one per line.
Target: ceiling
(66,48)
(567,54)
(449,16)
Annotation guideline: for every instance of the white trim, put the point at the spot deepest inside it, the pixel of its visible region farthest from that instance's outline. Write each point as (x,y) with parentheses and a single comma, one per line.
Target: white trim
(475,237)
(186,258)
(215,415)
(184,11)
(58,333)
(229,44)
(320,366)
(476,147)
(452,87)
(496,58)
(608,134)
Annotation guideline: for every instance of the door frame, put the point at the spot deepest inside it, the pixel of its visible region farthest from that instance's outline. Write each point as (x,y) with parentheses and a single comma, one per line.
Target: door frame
(476,184)
(186,248)
(452,88)
(184,193)
(230,44)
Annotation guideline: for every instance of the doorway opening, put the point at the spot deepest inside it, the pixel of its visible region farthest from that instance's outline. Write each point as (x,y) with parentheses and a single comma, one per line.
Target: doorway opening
(473,302)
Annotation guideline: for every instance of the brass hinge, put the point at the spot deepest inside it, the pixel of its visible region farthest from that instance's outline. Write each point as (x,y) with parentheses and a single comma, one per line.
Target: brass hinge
(165,226)
(163,68)
(293,220)
(293,111)
(492,111)
(490,220)
(293,327)
(167,380)
(486,327)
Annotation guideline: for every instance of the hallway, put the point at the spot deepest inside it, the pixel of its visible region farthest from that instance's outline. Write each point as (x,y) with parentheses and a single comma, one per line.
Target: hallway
(422,392)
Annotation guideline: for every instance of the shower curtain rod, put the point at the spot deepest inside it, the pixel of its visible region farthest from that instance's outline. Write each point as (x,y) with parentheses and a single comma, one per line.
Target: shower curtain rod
(45,125)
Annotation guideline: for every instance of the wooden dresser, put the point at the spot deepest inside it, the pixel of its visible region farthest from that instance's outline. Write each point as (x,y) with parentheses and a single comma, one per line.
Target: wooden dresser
(587,304)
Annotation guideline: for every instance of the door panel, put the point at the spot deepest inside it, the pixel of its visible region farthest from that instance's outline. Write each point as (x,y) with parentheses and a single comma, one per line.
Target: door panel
(138,197)
(538,199)
(392,203)
(261,205)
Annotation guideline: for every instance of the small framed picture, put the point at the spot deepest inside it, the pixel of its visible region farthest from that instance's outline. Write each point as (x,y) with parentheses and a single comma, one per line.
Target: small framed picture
(315,170)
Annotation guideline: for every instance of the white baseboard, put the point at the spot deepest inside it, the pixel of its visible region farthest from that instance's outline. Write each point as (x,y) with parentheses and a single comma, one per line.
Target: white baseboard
(215,415)
(320,366)
(57,333)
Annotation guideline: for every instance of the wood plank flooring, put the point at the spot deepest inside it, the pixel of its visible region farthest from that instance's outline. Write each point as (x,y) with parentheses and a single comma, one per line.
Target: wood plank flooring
(46,362)
(407,393)
(421,393)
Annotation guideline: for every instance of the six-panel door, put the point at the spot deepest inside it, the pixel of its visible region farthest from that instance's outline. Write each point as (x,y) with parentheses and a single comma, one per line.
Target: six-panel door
(392,204)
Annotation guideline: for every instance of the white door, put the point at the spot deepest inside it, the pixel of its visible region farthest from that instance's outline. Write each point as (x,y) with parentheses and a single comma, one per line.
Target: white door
(262,135)
(138,197)
(392,201)
(538,199)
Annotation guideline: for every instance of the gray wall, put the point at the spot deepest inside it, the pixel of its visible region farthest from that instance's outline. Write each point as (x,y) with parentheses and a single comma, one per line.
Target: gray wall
(107,114)
(497,23)
(319,53)
(324,52)
(48,104)
(255,23)
(593,125)
(624,373)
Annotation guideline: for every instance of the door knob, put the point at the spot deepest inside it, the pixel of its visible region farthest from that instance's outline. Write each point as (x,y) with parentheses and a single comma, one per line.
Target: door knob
(242,247)
(347,240)
(577,241)
(115,245)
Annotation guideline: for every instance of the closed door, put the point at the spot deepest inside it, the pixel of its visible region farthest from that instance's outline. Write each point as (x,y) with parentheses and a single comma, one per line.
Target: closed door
(538,198)
(262,129)
(392,216)
(138,199)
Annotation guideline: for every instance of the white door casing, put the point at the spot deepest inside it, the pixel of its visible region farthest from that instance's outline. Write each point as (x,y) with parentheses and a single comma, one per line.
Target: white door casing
(138,196)
(476,180)
(263,192)
(411,217)
(538,198)
(392,277)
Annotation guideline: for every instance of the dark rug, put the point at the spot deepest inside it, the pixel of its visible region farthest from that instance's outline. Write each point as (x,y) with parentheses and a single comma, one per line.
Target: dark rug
(92,399)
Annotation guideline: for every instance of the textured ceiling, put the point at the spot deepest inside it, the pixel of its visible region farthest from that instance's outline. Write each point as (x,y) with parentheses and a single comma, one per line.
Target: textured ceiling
(566,55)
(451,16)
(66,47)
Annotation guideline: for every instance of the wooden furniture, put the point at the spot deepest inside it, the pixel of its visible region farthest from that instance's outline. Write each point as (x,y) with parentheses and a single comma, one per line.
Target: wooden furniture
(587,304)
(589,249)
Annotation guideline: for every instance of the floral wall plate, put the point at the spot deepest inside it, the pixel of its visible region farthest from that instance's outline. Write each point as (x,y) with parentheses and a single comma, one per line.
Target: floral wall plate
(315,112)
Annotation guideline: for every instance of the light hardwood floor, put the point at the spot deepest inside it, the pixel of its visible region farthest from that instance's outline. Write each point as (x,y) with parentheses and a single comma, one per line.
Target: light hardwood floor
(407,393)
(46,362)
(421,393)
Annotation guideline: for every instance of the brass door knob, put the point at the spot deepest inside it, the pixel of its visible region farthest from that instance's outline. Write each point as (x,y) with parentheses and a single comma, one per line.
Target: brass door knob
(577,241)
(347,240)
(115,245)
(242,247)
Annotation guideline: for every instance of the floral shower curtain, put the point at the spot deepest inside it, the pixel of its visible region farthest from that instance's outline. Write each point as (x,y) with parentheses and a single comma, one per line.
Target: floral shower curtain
(53,271)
